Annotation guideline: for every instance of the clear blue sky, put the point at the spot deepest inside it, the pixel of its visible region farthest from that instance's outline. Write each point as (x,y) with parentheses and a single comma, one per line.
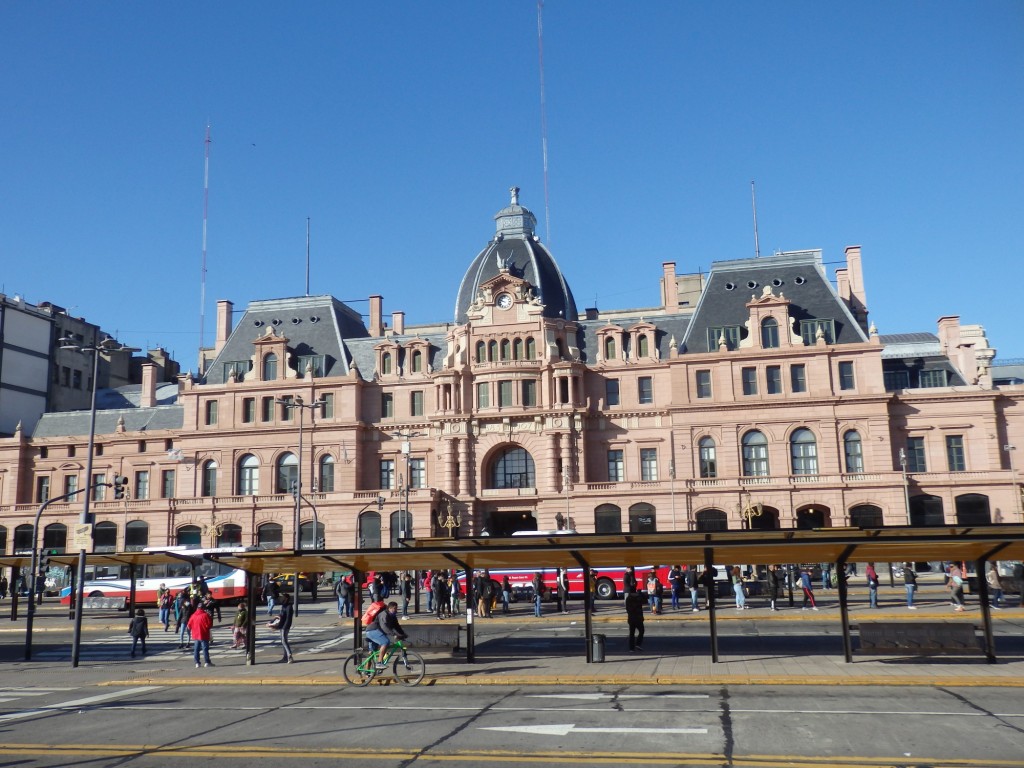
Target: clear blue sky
(397,128)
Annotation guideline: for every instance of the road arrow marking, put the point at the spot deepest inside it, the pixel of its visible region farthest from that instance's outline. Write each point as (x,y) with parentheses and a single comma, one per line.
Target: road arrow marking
(564,729)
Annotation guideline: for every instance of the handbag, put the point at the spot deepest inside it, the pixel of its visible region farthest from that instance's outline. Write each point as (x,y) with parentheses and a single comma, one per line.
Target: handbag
(274,623)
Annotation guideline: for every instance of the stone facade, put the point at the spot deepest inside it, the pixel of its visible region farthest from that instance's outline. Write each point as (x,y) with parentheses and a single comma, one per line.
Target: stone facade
(756,395)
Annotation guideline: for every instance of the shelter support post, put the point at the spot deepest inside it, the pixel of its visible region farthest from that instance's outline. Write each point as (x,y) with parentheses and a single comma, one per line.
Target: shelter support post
(844,608)
(470,641)
(983,599)
(588,596)
(357,609)
(15,576)
(252,581)
(132,573)
(710,585)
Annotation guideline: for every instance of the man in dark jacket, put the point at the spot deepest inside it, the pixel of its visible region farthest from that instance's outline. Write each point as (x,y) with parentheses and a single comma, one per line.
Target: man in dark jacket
(692,585)
(635,619)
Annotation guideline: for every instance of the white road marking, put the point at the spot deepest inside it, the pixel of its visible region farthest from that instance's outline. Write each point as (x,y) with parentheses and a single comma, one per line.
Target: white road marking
(79,702)
(564,729)
(606,696)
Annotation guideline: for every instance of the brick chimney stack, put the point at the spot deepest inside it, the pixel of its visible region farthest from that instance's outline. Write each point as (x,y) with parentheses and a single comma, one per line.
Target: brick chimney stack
(147,398)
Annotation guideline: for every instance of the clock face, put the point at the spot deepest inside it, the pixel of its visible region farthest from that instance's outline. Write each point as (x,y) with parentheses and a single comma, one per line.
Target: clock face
(504,301)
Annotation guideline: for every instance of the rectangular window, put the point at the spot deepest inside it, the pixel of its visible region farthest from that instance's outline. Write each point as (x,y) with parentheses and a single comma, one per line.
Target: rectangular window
(387,473)
(915,455)
(311,365)
(504,393)
(387,405)
(236,368)
(327,411)
(483,395)
(142,446)
(749,376)
(798,378)
(611,391)
(285,401)
(167,484)
(71,451)
(809,331)
(211,412)
(267,409)
(730,334)
(529,392)
(65,374)
(416,403)
(955,453)
(71,484)
(703,384)
(76,379)
(896,380)
(142,484)
(99,491)
(936,378)
(846,380)
(248,410)
(773,380)
(616,470)
(417,473)
(649,464)
(645,390)
(42,489)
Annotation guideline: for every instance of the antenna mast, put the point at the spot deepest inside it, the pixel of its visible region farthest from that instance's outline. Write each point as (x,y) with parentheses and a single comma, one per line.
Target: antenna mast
(307,255)
(202,274)
(753,202)
(543,120)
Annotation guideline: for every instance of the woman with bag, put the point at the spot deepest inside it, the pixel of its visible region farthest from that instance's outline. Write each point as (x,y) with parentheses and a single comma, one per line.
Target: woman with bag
(238,627)
(956,587)
(872,585)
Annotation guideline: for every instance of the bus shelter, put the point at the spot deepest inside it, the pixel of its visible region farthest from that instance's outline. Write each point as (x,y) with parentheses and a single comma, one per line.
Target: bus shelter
(977,545)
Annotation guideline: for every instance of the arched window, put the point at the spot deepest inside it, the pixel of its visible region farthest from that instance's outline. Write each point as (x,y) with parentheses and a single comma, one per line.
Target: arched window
(866,516)
(506,349)
(854,452)
(926,511)
(270,536)
(804,452)
(248,475)
(55,536)
(481,352)
(209,478)
(492,350)
(104,537)
(310,539)
(401,526)
(609,348)
(642,519)
(708,461)
(755,454)
(417,361)
(270,367)
(812,517)
(641,345)
(287,473)
(973,509)
(189,536)
(531,349)
(369,530)
(385,364)
(513,468)
(517,349)
(23,543)
(607,519)
(712,520)
(229,535)
(136,536)
(326,474)
(769,333)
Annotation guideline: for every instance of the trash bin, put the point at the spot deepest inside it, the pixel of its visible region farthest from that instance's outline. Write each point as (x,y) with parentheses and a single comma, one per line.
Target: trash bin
(598,648)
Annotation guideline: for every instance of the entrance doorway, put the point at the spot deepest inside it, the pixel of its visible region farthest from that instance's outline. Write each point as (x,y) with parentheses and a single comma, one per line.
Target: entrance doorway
(505,523)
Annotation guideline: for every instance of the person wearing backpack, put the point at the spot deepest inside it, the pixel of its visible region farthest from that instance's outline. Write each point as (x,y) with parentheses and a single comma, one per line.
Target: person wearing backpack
(385,630)
(369,620)
(139,630)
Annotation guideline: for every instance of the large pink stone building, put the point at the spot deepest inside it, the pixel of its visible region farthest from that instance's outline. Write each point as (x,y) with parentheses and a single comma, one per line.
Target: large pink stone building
(757,395)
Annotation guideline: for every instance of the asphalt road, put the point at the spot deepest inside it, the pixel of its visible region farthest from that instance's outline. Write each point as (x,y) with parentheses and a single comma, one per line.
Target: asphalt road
(147,727)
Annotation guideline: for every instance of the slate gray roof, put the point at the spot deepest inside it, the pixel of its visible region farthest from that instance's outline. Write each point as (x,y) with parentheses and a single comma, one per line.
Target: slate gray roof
(667,326)
(313,325)
(76,423)
(361,352)
(906,345)
(799,276)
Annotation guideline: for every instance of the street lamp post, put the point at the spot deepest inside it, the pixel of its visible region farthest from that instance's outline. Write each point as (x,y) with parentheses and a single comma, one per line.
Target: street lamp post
(906,488)
(1013,475)
(297,402)
(107,345)
(403,530)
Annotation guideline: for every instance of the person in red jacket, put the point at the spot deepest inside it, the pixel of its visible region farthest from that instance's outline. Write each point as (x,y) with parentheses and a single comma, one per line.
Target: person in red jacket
(200,624)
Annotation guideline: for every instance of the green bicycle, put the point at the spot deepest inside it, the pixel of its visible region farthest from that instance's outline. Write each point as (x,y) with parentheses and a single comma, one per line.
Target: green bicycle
(362,667)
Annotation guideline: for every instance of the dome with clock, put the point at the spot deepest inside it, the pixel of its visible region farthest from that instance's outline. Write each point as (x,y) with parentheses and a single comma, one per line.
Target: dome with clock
(516,248)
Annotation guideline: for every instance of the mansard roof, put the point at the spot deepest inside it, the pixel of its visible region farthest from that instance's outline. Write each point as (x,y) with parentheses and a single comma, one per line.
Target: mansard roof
(667,327)
(314,325)
(798,275)
(76,423)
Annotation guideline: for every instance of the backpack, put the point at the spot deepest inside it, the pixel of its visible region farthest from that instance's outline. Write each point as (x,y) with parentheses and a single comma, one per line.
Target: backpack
(370,615)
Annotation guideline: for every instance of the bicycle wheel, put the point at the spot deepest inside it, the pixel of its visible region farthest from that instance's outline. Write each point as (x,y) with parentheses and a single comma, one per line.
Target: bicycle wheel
(409,668)
(357,669)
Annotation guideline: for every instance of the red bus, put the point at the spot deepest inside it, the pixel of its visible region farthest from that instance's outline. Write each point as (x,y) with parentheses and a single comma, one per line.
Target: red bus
(608,580)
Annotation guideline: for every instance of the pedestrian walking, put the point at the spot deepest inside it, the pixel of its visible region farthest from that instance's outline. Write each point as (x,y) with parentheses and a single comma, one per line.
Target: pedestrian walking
(187,609)
(239,628)
(285,626)
(200,625)
(910,582)
(139,630)
(995,587)
(165,603)
(808,589)
(634,603)
(4,585)
(956,587)
(872,576)
(272,594)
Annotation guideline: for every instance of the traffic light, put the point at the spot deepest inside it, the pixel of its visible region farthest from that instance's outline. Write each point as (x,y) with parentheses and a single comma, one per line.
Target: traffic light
(380,503)
(120,487)
(44,560)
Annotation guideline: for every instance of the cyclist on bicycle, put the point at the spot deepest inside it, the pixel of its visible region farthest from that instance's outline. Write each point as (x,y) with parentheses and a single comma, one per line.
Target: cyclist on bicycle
(385,630)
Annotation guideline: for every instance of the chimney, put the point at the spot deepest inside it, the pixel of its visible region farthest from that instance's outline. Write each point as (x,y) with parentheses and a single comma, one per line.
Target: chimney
(858,300)
(376,315)
(592,313)
(669,288)
(398,323)
(147,398)
(225,310)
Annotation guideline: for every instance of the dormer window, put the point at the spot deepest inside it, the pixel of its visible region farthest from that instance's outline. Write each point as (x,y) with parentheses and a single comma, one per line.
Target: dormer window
(417,361)
(270,367)
(642,346)
(386,363)
(769,333)
(809,331)
(727,334)
(609,348)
